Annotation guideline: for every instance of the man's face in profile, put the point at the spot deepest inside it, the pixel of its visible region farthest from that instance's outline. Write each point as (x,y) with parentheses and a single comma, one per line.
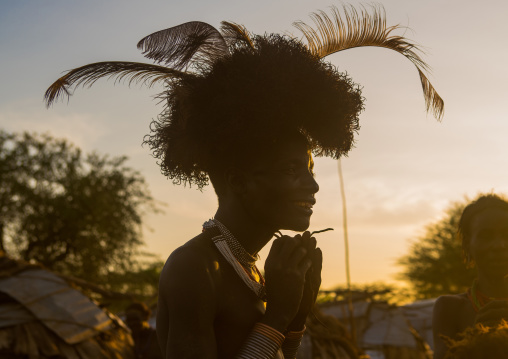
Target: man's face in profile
(281,187)
(489,241)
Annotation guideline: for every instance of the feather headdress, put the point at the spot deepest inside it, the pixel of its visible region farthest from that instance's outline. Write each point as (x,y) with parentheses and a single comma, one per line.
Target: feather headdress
(227,90)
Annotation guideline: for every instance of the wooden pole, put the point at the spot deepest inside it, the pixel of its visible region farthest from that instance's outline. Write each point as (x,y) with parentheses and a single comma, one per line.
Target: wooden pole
(346,250)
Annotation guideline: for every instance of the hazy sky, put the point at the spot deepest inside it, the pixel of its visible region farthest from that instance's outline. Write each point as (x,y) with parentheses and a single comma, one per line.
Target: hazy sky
(405,169)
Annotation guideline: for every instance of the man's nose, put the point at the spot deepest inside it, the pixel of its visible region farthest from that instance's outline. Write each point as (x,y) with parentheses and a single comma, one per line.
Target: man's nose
(310,183)
(500,242)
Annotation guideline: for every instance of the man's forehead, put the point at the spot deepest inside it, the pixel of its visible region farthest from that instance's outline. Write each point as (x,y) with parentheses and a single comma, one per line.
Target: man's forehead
(287,156)
(493,216)
(286,148)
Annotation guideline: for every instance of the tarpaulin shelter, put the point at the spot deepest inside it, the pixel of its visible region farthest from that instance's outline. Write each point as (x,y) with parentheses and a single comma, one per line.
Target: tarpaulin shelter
(381,329)
(419,315)
(43,316)
(327,338)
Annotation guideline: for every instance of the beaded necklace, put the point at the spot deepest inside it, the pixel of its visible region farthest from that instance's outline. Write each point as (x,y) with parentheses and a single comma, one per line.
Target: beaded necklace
(477,298)
(237,257)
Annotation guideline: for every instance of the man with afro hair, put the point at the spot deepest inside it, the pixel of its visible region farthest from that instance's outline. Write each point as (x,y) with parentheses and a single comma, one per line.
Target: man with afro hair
(247,113)
(250,125)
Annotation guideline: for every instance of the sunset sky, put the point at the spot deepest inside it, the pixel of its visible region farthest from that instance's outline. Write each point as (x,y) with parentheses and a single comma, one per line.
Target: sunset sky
(404,171)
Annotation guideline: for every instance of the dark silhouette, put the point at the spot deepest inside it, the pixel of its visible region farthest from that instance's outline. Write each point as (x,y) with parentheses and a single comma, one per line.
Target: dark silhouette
(246,112)
(242,127)
(146,345)
(483,230)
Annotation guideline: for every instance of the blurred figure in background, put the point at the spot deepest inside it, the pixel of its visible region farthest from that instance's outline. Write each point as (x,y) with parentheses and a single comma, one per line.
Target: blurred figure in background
(146,345)
(483,230)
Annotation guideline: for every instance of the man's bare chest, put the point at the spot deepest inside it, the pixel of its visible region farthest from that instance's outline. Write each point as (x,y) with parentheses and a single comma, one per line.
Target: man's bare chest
(238,310)
(237,303)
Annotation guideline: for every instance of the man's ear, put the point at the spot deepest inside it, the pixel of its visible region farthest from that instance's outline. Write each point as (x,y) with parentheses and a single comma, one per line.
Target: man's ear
(236,180)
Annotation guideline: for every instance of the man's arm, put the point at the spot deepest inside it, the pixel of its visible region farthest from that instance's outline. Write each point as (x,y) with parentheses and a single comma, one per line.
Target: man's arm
(286,268)
(186,308)
(444,322)
(492,313)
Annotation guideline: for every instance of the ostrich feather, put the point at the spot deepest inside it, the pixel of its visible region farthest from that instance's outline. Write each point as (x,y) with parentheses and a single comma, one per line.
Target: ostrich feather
(234,33)
(361,28)
(133,72)
(180,46)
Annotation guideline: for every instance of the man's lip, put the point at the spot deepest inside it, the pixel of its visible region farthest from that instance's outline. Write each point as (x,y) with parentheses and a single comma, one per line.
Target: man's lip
(499,260)
(498,263)
(305,203)
(498,255)
(310,200)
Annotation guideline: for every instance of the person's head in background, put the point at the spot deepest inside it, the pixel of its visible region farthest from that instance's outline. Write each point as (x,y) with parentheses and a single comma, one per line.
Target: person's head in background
(136,317)
(483,230)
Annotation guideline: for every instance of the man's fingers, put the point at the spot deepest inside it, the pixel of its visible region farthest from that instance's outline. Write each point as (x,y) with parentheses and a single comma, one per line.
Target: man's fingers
(297,256)
(306,237)
(496,304)
(277,245)
(312,243)
(289,244)
(492,315)
(493,311)
(305,266)
(317,259)
(317,265)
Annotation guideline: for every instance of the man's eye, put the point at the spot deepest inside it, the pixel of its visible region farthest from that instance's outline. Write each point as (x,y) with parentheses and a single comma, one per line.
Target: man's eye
(485,234)
(290,170)
(297,170)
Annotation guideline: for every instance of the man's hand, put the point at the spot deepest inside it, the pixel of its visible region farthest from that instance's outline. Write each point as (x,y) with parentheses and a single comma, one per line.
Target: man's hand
(285,270)
(492,313)
(312,282)
(291,285)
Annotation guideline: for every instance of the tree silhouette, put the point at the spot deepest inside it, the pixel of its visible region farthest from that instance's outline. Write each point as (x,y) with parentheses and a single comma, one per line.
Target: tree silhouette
(76,214)
(434,264)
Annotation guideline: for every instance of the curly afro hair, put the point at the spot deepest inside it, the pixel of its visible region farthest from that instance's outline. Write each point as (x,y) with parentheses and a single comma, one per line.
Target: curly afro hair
(480,204)
(246,100)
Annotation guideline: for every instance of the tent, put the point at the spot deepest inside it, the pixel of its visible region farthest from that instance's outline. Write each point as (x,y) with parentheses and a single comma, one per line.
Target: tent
(43,316)
(419,315)
(381,330)
(327,338)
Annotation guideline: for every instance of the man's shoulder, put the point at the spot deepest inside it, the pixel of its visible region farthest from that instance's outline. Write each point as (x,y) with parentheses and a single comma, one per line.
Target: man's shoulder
(198,251)
(452,315)
(193,260)
(452,299)
(450,304)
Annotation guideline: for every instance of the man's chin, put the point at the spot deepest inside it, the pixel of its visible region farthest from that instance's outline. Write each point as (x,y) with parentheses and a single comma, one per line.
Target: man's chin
(298,226)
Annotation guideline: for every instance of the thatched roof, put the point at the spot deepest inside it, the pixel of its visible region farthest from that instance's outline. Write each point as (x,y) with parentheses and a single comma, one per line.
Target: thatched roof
(42,316)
